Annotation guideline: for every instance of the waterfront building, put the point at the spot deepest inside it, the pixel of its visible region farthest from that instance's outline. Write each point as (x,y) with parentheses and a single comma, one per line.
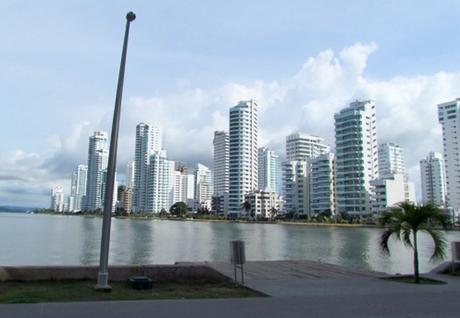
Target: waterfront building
(148,142)
(300,148)
(449,118)
(184,189)
(57,199)
(219,201)
(243,153)
(263,204)
(97,162)
(356,157)
(203,186)
(130,172)
(124,197)
(269,168)
(160,183)
(391,160)
(322,184)
(78,188)
(433,179)
(390,191)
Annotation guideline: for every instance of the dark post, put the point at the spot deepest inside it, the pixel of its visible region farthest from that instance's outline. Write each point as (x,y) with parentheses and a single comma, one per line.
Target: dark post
(103,273)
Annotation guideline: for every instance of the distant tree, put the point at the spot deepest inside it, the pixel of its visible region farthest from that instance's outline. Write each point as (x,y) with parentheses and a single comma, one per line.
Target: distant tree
(246,206)
(407,220)
(163,212)
(179,209)
(272,213)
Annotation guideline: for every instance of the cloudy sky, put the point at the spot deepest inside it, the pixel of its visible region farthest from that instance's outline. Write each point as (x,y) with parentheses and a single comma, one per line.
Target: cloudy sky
(189,61)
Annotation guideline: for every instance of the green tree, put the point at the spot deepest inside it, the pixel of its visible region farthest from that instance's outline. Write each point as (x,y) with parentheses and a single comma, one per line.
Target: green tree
(407,220)
(246,206)
(178,209)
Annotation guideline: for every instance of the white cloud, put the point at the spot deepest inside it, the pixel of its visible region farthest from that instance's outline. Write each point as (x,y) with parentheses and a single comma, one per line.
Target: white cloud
(406,111)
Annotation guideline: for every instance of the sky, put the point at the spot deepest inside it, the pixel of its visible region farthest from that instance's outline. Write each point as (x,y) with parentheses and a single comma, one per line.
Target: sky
(190,61)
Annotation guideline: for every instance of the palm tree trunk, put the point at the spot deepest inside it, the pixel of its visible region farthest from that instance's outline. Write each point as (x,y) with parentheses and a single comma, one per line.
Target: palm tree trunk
(416,272)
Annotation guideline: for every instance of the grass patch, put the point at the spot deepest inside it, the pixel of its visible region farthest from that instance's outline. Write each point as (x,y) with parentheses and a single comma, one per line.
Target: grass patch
(83,290)
(411,280)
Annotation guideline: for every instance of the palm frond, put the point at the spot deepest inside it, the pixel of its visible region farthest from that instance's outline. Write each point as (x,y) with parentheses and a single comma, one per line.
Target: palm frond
(383,242)
(440,243)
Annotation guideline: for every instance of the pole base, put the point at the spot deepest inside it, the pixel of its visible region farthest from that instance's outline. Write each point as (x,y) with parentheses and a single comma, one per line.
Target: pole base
(103,282)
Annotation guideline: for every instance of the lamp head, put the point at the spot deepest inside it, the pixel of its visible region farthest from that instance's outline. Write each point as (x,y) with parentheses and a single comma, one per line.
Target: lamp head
(130,16)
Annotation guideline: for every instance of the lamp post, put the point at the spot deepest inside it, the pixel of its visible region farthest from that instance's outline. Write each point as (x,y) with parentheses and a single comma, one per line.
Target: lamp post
(103,273)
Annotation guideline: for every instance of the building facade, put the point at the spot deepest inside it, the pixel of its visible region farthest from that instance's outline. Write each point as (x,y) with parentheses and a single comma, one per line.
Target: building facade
(322,184)
(391,160)
(243,153)
(78,188)
(433,179)
(97,162)
(57,199)
(263,204)
(301,146)
(356,157)
(449,118)
(269,170)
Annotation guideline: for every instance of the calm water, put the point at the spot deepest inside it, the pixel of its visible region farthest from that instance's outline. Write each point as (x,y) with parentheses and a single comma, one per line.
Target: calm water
(69,240)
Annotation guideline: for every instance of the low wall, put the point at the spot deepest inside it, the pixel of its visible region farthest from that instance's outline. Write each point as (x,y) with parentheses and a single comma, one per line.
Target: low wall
(159,273)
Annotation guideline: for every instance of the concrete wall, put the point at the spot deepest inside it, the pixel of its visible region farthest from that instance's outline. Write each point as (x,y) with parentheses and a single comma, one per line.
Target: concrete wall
(159,273)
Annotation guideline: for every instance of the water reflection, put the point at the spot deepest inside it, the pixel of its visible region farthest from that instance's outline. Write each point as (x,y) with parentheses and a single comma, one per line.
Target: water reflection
(76,240)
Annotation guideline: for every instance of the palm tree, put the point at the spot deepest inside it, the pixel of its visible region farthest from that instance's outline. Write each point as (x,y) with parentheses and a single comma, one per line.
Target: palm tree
(246,205)
(408,219)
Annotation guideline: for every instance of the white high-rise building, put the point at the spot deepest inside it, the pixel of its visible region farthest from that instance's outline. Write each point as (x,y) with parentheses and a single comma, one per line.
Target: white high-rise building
(303,146)
(221,162)
(391,160)
(322,184)
(356,157)
(78,188)
(184,189)
(449,118)
(130,172)
(433,179)
(390,191)
(203,185)
(57,199)
(300,148)
(160,183)
(243,158)
(148,142)
(269,170)
(97,162)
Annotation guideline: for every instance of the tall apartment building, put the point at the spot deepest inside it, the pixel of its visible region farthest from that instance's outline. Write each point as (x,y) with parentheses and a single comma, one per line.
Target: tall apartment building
(243,155)
(322,184)
(391,160)
(78,188)
(300,148)
(221,172)
(356,157)
(160,177)
(130,172)
(303,146)
(148,142)
(269,167)
(203,185)
(97,162)
(57,199)
(433,179)
(184,189)
(449,118)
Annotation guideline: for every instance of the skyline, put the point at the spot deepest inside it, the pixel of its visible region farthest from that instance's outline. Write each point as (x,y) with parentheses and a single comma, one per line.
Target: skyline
(170,74)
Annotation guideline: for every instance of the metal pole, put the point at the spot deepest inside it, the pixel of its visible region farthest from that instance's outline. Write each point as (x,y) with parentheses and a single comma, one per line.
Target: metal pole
(103,273)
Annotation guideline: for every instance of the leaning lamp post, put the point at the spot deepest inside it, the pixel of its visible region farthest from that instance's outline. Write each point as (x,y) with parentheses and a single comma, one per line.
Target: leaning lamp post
(103,273)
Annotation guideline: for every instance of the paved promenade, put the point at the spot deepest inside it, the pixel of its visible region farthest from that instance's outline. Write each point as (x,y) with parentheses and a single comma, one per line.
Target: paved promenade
(297,289)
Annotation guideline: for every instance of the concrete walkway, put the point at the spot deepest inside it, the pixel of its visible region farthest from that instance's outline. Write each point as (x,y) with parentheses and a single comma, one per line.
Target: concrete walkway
(298,289)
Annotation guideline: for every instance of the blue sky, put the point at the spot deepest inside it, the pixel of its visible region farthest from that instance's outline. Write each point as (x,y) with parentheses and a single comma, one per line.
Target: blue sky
(189,61)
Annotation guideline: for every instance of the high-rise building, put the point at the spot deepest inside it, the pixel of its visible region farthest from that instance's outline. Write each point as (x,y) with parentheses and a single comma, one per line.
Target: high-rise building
(449,118)
(160,183)
(322,184)
(390,191)
(220,171)
(57,199)
(300,149)
(125,195)
(269,167)
(97,162)
(148,142)
(263,204)
(303,146)
(356,157)
(433,179)
(115,189)
(243,156)
(78,188)
(203,185)
(391,160)
(184,189)
(130,172)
